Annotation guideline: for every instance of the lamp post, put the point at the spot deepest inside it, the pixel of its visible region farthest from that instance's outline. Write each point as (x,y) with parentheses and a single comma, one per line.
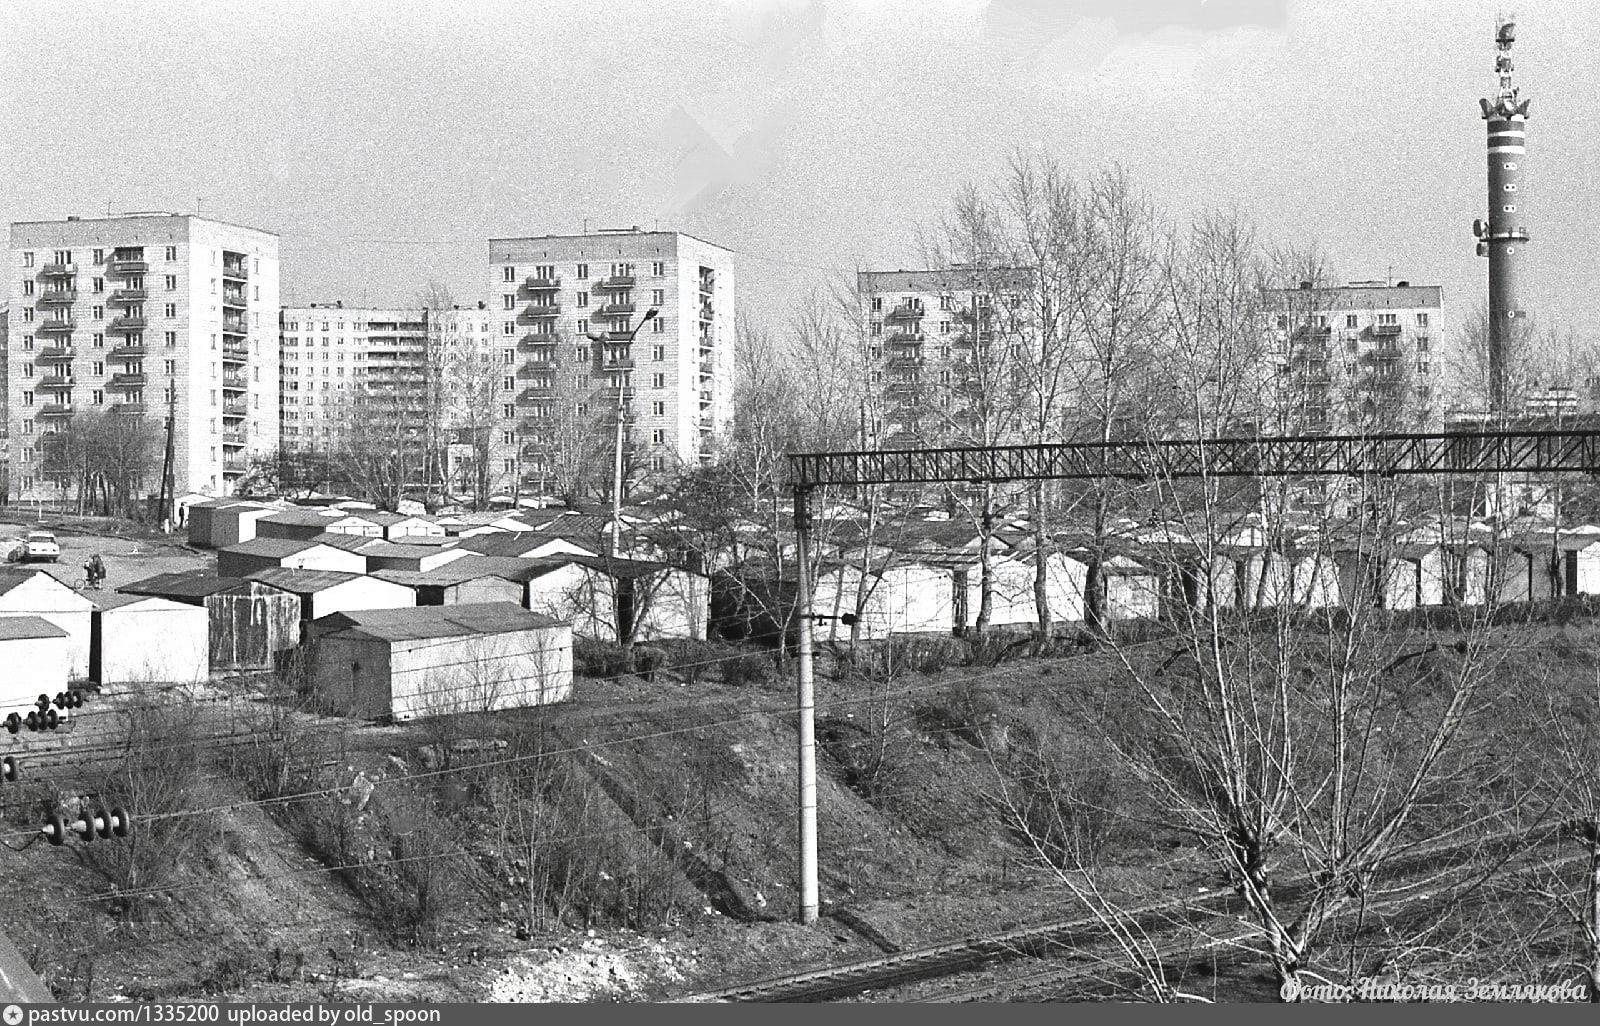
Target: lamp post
(622,404)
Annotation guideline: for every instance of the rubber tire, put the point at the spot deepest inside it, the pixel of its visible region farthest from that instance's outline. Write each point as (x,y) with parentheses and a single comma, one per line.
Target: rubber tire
(13,723)
(122,827)
(58,836)
(104,825)
(52,719)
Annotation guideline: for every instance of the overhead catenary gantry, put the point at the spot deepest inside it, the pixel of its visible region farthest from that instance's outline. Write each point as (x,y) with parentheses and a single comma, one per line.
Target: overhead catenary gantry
(1467,452)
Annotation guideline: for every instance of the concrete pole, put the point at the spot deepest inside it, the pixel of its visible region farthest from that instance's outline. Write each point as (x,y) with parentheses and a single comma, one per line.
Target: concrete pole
(806,705)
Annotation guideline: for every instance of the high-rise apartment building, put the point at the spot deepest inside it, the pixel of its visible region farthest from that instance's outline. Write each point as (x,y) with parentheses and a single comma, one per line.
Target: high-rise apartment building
(135,316)
(565,308)
(1363,356)
(936,345)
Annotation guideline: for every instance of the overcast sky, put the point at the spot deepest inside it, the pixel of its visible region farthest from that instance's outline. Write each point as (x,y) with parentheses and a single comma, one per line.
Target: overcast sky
(386,141)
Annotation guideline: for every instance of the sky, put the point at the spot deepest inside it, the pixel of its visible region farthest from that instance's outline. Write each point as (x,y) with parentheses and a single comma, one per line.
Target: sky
(385,142)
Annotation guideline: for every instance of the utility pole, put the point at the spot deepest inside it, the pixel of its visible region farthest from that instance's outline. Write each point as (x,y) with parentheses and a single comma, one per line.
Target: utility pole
(167,504)
(622,409)
(806,704)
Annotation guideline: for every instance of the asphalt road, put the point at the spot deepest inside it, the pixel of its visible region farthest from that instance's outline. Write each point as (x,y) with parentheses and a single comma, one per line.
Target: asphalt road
(126,559)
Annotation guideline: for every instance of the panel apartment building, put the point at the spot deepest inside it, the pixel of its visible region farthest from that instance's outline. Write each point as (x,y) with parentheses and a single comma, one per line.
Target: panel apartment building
(359,375)
(1362,356)
(925,331)
(135,315)
(564,307)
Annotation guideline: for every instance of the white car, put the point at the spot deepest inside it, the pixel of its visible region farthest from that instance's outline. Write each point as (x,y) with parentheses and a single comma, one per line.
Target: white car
(40,546)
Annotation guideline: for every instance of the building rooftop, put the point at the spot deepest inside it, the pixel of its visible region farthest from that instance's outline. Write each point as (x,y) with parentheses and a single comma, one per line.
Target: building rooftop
(146,215)
(189,584)
(422,622)
(302,582)
(276,548)
(313,518)
(15,628)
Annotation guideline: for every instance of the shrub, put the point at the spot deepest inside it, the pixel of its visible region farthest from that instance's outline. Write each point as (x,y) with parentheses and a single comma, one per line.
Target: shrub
(600,659)
(749,670)
(913,653)
(646,661)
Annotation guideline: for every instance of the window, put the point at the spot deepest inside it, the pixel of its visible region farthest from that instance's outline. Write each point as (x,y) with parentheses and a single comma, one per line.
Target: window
(507,411)
(658,353)
(582,354)
(946,302)
(877,377)
(506,328)
(877,327)
(658,408)
(582,409)
(583,300)
(27,342)
(658,381)
(172,282)
(1422,366)
(27,287)
(27,313)
(62,256)
(98,341)
(1350,320)
(98,397)
(508,356)
(171,339)
(877,302)
(508,274)
(170,366)
(1321,320)
(99,312)
(1422,344)
(27,398)
(1422,320)
(582,272)
(583,326)
(99,367)
(27,260)
(658,297)
(99,284)
(660,325)
(508,437)
(27,370)
(1283,321)
(170,310)
(876,352)
(509,302)
(1388,318)
(618,270)
(545,272)
(172,252)
(658,437)
(658,268)
(944,327)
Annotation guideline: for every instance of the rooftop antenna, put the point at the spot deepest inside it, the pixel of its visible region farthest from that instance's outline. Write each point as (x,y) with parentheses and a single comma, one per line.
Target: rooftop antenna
(199,204)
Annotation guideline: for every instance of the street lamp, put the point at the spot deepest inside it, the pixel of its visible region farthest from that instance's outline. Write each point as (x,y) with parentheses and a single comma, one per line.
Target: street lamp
(622,401)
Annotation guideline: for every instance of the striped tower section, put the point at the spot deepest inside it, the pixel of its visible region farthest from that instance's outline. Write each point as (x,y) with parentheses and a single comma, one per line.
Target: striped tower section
(1503,237)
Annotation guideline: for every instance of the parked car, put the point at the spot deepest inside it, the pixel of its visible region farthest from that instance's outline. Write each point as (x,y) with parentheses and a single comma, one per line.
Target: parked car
(40,547)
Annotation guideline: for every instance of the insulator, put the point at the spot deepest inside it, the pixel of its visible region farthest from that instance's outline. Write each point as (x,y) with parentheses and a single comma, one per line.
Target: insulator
(10,769)
(54,830)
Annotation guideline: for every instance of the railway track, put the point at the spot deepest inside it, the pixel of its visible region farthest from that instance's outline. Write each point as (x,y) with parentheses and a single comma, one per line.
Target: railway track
(1080,933)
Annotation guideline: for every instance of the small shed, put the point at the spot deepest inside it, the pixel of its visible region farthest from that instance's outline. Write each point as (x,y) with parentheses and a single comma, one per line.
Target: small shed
(266,553)
(36,593)
(249,622)
(302,524)
(456,585)
(223,522)
(1316,579)
(666,601)
(324,592)
(897,597)
(35,654)
(1580,564)
(385,555)
(398,526)
(145,639)
(409,663)
(1472,574)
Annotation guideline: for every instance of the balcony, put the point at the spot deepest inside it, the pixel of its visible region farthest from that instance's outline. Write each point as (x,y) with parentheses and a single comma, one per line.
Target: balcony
(128,350)
(233,438)
(129,295)
(232,300)
(617,391)
(540,310)
(57,270)
(619,364)
(54,353)
(904,313)
(615,309)
(129,265)
(535,393)
(537,338)
(128,380)
(235,465)
(533,425)
(235,272)
(56,327)
(910,361)
(235,328)
(904,389)
(56,410)
(617,281)
(1385,329)
(56,381)
(128,408)
(58,297)
(536,366)
(234,383)
(127,324)
(906,338)
(234,409)
(541,284)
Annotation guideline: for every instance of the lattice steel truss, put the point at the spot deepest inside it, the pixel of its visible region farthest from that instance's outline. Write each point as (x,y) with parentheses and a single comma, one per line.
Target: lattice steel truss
(1478,452)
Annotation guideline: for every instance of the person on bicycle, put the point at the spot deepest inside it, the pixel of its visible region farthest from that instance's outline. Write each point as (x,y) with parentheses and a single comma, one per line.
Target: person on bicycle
(94,571)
